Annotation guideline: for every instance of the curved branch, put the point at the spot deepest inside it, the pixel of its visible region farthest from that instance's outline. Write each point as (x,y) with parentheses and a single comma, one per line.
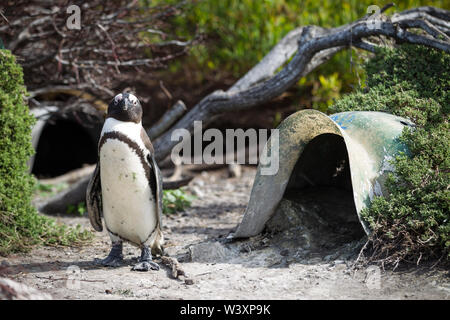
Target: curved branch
(315,45)
(426,26)
(438,17)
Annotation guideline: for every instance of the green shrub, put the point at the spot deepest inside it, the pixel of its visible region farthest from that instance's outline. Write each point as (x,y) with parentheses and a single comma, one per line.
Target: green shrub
(20,225)
(413,223)
(176,200)
(79,208)
(44,190)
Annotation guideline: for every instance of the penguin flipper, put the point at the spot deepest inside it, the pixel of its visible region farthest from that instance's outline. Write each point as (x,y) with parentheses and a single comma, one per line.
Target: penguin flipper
(156,185)
(156,176)
(159,189)
(156,239)
(94,200)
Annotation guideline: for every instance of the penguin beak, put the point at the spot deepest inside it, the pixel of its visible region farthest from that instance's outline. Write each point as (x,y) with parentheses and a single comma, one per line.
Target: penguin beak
(127,104)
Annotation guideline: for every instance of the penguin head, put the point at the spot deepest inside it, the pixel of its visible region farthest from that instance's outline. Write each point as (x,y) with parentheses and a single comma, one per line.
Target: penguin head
(125,107)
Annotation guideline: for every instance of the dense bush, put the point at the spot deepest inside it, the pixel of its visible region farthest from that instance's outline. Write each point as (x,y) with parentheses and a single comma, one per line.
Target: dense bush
(20,225)
(413,223)
(238,33)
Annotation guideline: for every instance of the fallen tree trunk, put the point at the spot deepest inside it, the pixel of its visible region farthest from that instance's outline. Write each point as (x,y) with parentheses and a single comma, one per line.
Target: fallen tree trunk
(76,193)
(313,46)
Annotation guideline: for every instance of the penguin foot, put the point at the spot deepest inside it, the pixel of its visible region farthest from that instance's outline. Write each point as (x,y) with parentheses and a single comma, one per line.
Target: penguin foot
(145,266)
(114,258)
(110,261)
(145,262)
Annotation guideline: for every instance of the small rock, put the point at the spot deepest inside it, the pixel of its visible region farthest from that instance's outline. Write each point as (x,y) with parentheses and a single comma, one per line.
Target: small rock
(234,170)
(5,263)
(209,252)
(197,192)
(107,291)
(340,267)
(188,281)
(204,174)
(198,182)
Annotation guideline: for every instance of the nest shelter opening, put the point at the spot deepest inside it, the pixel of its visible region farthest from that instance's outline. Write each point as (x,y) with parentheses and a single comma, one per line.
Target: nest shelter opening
(317,212)
(64,145)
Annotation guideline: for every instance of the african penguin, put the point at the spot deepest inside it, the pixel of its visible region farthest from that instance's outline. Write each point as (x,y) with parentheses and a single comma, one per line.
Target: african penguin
(126,187)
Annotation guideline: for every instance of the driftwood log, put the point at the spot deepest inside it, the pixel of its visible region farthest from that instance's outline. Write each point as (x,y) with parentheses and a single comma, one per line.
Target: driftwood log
(309,47)
(76,193)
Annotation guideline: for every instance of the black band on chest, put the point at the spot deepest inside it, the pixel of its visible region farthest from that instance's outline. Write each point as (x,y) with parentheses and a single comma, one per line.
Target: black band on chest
(134,146)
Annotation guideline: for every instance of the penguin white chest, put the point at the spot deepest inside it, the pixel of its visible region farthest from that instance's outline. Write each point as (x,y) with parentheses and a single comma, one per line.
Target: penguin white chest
(129,207)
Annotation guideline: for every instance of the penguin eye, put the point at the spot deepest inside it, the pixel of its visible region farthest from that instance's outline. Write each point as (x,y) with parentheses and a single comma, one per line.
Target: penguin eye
(117,99)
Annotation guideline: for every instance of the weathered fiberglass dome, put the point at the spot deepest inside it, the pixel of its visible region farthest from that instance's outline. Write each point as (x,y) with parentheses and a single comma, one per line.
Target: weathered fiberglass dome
(343,156)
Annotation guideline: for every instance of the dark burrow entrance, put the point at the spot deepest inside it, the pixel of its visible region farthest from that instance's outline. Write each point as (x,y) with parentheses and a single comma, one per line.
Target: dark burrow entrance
(64,145)
(317,212)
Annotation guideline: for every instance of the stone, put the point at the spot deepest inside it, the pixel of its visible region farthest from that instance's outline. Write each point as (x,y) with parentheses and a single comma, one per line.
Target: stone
(209,252)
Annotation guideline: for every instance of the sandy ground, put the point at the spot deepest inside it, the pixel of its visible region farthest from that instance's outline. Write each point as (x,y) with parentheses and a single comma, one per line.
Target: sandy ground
(257,268)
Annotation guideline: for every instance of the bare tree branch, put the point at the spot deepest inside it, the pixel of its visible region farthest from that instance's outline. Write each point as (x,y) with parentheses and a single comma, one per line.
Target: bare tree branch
(115,39)
(315,45)
(424,25)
